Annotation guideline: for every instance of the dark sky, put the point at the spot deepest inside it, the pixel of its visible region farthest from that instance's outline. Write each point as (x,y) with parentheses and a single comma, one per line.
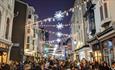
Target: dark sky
(47,8)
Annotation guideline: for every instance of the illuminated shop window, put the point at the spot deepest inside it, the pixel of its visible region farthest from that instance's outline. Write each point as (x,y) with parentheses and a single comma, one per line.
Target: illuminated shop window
(4,57)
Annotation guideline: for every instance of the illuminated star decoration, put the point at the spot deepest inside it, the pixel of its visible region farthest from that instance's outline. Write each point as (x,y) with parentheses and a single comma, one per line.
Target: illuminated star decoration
(59,34)
(58,15)
(59,26)
(58,40)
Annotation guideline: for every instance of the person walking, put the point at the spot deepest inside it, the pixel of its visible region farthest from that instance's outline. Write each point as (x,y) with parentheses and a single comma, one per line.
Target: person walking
(113,65)
(105,66)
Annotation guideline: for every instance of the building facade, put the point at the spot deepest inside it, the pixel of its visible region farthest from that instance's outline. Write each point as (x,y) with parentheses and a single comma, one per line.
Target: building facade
(43,44)
(30,36)
(6,21)
(103,41)
(79,33)
(18,31)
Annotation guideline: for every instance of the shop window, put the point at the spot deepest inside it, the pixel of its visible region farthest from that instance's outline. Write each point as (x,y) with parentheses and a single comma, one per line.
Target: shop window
(98,56)
(0,58)
(7,28)
(4,57)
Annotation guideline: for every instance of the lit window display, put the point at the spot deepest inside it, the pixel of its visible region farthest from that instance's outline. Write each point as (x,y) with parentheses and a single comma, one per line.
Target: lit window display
(3,53)
(98,55)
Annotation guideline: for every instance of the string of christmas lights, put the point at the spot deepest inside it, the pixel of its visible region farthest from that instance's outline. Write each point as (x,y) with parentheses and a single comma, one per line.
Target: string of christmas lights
(52,41)
(59,15)
(64,25)
(56,33)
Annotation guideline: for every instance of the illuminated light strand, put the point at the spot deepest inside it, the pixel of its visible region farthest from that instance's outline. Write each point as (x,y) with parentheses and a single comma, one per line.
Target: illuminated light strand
(54,32)
(65,13)
(55,25)
(49,19)
(52,41)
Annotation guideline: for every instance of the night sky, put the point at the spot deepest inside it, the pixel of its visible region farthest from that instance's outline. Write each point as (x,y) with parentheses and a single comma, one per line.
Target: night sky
(47,8)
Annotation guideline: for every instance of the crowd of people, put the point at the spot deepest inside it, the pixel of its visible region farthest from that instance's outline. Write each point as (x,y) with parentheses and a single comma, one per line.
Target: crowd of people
(55,64)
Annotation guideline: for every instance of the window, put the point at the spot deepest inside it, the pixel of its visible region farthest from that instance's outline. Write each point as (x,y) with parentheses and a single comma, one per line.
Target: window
(33,45)
(29,16)
(28,31)
(34,33)
(27,46)
(28,39)
(105,10)
(7,28)
(101,13)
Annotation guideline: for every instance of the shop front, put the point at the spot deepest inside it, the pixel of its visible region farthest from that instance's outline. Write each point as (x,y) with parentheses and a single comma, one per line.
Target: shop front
(109,50)
(96,49)
(107,42)
(97,53)
(3,53)
(103,45)
(84,52)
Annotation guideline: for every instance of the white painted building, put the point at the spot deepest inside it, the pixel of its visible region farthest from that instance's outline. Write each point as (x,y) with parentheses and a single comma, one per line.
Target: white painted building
(105,23)
(30,48)
(79,32)
(6,19)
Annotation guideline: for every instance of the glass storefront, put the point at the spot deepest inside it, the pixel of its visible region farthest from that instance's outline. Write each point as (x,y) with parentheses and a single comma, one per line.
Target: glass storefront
(3,57)
(97,52)
(108,50)
(3,53)
(97,56)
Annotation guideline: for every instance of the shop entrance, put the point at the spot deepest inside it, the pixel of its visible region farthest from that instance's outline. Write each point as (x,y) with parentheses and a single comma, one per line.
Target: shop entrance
(3,57)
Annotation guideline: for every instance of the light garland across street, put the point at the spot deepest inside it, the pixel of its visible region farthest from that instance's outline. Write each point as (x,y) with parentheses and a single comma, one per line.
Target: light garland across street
(60,14)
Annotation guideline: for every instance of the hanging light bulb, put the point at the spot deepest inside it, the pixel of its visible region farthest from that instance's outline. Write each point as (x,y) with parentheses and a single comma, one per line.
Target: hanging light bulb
(58,40)
(67,14)
(59,34)
(72,10)
(49,19)
(53,19)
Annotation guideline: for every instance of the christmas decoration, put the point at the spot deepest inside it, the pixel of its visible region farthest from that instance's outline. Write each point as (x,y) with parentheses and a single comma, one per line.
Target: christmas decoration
(59,34)
(58,15)
(58,40)
(59,26)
